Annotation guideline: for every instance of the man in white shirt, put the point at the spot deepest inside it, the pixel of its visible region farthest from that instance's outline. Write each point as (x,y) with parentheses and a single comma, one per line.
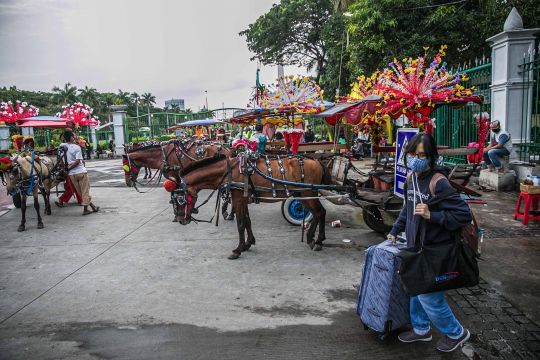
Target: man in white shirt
(77,172)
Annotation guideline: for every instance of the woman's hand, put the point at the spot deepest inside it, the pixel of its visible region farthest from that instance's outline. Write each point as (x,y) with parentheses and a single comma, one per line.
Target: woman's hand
(422,210)
(391,237)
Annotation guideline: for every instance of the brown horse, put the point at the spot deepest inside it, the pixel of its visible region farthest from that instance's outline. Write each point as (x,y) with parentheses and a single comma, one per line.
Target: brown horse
(213,172)
(169,158)
(26,177)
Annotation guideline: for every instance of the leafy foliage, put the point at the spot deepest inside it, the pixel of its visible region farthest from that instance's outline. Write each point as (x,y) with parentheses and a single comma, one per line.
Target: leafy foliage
(290,34)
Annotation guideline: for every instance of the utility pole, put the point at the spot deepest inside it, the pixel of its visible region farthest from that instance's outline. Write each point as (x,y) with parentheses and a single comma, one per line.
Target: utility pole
(206,92)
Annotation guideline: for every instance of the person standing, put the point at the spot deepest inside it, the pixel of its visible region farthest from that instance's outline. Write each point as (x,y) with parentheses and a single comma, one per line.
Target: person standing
(309,135)
(500,144)
(111,147)
(77,173)
(441,220)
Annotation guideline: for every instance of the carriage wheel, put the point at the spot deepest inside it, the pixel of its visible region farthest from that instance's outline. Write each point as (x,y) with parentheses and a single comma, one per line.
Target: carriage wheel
(374,220)
(17,200)
(293,211)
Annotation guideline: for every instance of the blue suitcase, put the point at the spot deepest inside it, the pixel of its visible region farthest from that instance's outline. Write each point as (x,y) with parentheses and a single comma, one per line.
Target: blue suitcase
(382,303)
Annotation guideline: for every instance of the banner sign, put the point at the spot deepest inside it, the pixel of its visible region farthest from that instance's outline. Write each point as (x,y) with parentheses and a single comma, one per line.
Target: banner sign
(404,135)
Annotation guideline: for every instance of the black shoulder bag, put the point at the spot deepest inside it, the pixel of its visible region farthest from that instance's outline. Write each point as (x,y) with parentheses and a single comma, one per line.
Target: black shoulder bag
(436,267)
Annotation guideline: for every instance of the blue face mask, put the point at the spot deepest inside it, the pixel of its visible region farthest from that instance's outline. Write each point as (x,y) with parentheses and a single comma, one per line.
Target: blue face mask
(416,164)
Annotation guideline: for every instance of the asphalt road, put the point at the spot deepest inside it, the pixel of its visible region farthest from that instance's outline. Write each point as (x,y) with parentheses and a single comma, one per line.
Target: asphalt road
(127,283)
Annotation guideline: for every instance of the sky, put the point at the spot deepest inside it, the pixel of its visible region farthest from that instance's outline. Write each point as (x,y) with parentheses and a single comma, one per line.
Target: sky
(170,48)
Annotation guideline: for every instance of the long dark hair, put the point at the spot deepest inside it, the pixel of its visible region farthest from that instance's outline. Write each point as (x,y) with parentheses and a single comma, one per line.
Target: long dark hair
(430,147)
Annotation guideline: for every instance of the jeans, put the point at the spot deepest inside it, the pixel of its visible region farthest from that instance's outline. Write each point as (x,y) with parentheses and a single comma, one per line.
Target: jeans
(434,307)
(492,157)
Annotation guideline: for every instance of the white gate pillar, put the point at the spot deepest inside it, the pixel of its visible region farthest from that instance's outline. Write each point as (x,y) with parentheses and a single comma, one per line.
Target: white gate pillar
(119,116)
(509,48)
(94,138)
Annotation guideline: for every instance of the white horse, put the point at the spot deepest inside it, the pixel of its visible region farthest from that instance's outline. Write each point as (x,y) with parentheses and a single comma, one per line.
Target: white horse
(25,178)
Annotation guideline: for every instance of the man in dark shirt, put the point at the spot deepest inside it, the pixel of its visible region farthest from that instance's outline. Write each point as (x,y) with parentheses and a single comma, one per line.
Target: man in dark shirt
(309,135)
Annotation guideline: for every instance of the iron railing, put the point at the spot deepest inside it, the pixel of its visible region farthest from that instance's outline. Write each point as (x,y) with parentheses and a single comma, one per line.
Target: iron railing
(529,147)
(457,127)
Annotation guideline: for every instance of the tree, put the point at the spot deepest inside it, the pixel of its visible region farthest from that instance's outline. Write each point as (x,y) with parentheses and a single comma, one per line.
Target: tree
(89,96)
(106,101)
(290,34)
(66,95)
(135,99)
(383,29)
(124,97)
(175,107)
(148,101)
(340,6)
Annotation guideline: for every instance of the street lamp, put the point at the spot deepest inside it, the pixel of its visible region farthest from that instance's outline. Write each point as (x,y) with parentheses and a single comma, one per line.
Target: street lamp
(206,92)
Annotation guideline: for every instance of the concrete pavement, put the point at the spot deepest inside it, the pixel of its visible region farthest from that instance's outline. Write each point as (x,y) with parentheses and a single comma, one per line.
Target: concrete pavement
(127,283)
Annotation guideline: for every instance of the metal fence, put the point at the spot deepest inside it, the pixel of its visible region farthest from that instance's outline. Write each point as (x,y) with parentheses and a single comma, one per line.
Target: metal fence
(457,127)
(529,148)
(149,126)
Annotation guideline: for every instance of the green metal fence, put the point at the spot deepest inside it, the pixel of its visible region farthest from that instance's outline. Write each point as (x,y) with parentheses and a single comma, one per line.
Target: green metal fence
(529,148)
(149,126)
(457,127)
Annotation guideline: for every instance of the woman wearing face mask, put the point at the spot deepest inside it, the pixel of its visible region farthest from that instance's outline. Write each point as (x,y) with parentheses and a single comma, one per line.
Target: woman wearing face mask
(441,219)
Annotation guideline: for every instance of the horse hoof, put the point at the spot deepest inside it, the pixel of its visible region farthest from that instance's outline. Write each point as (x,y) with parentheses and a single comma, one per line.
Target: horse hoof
(311,245)
(230,217)
(174,220)
(40,225)
(233,256)
(318,248)
(48,212)
(247,246)
(225,214)
(21,228)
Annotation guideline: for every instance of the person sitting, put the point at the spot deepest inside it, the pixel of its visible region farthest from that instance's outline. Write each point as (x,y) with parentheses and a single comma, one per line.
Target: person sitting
(358,150)
(260,137)
(309,135)
(500,145)
(99,151)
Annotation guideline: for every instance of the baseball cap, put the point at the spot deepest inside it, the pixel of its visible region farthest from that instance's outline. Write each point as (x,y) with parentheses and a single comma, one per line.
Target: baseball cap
(495,123)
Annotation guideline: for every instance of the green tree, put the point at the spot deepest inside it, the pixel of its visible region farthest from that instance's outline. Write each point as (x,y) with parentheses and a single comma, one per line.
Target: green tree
(290,34)
(65,95)
(124,97)
(148,100)
(106,100)
(89,96)
(135,99)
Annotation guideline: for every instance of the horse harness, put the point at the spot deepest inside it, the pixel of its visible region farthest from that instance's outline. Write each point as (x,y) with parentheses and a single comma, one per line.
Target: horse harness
(26,185)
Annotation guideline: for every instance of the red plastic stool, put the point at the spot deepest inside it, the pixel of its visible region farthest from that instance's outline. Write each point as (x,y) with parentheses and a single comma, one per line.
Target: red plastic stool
(530,199)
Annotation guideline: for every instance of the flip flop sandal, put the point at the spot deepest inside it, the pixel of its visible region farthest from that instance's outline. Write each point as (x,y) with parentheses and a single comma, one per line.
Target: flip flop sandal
(58,204)
(97,209)
(87,213)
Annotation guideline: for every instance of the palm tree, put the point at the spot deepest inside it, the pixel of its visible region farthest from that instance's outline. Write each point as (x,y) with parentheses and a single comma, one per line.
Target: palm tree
(175,107)
(67,95)
(135,98)
(149,100)
(124,97)
(89,96)
(106,100)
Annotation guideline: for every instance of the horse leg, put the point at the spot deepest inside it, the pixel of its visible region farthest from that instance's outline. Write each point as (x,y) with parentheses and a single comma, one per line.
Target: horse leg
(321,214)
(240,206)
(310,235)
(46,195)
(250,237)
(36,206)
(23,213)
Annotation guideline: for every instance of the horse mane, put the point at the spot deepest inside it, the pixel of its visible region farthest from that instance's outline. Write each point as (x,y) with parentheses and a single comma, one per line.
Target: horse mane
(202,163)
(144,148)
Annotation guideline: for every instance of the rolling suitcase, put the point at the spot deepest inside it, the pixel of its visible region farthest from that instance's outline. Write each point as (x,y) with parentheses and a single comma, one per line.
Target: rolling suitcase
(382,303)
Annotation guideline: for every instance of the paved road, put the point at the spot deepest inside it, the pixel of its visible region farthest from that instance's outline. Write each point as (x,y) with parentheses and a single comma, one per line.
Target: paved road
(127,283)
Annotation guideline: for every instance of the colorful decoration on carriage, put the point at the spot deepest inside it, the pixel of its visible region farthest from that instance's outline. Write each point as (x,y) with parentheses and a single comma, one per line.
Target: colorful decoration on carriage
(243,143)
(21,111)
(17,141)
(5,164)
(295,137)
(412,87)
(301,94)
(483,124)
(79,114)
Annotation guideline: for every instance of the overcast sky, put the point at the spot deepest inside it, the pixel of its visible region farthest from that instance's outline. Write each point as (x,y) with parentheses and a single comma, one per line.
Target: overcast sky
(170,48)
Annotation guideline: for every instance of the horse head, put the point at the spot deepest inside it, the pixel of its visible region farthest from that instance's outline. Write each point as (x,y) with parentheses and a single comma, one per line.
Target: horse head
(183,199)
(11,176)
(131,170)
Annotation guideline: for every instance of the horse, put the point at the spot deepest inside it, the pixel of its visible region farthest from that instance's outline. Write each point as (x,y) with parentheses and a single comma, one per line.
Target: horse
(212,172)
(169,157)
(26,176)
